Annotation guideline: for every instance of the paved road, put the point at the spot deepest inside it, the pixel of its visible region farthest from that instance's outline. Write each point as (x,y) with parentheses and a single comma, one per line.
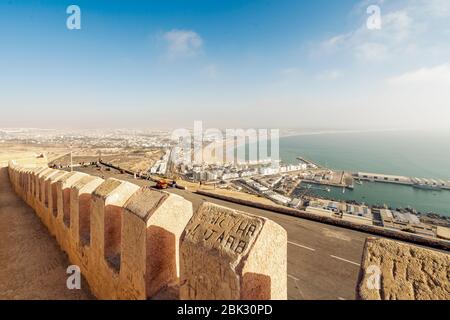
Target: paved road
(323,260)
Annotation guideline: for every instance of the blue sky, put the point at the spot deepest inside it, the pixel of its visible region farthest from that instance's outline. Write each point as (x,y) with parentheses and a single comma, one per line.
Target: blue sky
(279,63)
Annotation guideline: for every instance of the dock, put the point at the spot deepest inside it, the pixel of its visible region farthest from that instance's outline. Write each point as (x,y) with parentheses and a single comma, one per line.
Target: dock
(308,162)
(421,183)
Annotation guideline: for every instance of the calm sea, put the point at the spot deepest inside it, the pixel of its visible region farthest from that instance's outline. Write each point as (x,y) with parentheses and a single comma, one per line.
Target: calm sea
(412,154)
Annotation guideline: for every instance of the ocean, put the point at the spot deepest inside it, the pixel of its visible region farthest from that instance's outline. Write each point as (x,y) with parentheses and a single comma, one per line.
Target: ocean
(406,153)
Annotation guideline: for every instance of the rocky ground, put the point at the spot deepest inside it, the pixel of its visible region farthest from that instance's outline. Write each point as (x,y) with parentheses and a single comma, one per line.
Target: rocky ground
(136,160)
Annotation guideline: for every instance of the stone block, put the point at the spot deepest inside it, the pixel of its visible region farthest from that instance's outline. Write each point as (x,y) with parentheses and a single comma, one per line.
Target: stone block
(106,224)
(63,193)
(153,222)
(231,255)
(391,270)
(80,217)
(44,193)
(52,204)
(443,233)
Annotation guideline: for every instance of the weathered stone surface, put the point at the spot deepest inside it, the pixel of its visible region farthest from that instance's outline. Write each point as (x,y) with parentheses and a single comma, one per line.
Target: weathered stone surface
(62,221)
(27,173)
(52,211)
(32,267)
(153,222)
(106,231)
(63,187)
(42,203)
(35,184)
(80,204)
(107,204)
(126,240)
(44,187)
(443,233)
(406,272)
(232,255)
(38,184)
(80,217)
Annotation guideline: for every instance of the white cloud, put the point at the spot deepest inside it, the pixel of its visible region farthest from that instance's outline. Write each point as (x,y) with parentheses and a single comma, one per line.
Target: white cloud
(422,94)
(334,43)
(183,42)
(397,25)
(405,24)
(289,71)
(437,76)
(437,8)
(371,52)
(373,45)
(330,75)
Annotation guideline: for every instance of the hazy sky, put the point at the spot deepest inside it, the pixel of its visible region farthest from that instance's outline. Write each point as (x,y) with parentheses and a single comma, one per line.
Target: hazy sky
(234,63)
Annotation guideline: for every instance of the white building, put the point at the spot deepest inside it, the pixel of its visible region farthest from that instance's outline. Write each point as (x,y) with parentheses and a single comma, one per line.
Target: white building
(231,175)
(256,186)
(278,198)
(211,176)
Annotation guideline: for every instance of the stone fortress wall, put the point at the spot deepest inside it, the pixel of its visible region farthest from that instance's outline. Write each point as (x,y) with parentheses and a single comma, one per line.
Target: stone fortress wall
(138,243)
(392,270)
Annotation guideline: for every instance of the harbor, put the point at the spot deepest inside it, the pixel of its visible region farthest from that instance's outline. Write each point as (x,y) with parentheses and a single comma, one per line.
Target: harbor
(389,154)
(375,189)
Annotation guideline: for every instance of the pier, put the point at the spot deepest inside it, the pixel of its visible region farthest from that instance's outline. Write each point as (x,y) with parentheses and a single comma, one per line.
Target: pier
(430,184)
(308,162)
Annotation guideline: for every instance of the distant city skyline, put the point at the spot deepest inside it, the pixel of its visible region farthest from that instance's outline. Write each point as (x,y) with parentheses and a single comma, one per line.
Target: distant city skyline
(231,64)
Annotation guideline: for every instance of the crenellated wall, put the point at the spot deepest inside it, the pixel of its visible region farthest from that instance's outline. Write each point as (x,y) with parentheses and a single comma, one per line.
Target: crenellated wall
(392,270)
(134,243)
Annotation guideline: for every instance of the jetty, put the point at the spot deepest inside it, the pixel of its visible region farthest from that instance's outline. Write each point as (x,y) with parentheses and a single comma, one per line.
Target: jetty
(308,162)
(420,183)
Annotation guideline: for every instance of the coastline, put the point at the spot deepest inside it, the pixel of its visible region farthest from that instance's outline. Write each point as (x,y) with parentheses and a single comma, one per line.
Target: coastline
(228,144)
(376,194)
(392,154)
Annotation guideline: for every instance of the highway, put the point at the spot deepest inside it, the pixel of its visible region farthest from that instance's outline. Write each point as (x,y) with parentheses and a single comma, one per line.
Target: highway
(323,260)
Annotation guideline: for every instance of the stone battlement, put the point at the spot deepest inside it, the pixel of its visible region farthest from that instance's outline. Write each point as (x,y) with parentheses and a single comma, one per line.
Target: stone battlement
(391,270)
(134,243)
